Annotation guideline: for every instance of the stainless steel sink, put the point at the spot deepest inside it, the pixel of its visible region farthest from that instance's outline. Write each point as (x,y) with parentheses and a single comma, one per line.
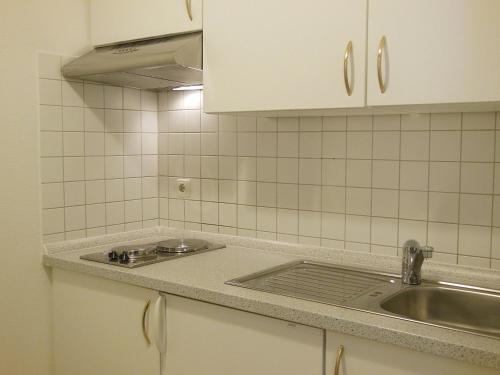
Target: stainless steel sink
(458,307)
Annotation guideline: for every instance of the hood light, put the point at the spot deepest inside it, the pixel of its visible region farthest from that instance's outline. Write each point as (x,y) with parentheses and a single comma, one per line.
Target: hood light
(188,88)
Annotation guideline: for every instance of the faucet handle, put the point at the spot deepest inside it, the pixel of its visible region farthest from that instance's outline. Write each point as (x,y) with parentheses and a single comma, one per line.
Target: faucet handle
(427,251)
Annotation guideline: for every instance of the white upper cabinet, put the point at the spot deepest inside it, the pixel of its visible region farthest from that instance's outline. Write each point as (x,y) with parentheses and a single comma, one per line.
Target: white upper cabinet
(115,21)
(265,55)
(437,51)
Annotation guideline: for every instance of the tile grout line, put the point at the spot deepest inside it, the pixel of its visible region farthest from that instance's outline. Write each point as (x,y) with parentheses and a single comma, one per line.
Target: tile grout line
(459,189)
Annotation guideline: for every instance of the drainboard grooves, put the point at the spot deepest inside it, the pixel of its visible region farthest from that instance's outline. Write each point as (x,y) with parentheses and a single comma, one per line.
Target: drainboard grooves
(313,281)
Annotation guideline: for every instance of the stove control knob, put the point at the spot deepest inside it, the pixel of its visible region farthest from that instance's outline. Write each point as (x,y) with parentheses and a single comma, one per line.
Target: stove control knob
(124,258)
(113,256)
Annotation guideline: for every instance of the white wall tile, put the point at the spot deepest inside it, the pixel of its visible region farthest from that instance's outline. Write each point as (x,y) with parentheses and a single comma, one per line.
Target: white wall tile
(478,146)
(385,174)
(72,94)
(415,121)
(414,145)
(358,228)
(413,205)
(479,121)
(443,237)
(310,144)
(50,118)
(475,209)
(247,217)
(386,145)
(333,226)
(53,220)
(385,203)
(384,231)
(476,178)
(445,145)
(358,201)
(288,196)
(334,144)
(333,172)
(113,97)
(288,144)
(93,95)
(310,197)
(266,219)
(358,173)
(414,175)
(74,218)
(444,176)
(115,213)
(50,91)
(443,207)
(74,193)
(387,122)
(333,199)
(73,119)
(52,195)
(96,216)
(74,168)
(359,145)
(474,240)
(288,221)
(446,121)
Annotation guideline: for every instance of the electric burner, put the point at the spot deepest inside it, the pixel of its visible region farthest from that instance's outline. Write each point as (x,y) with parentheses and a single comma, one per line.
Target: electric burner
(132,256)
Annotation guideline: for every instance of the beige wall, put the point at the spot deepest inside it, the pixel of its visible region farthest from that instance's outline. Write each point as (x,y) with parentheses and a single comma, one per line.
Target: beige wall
(26,27)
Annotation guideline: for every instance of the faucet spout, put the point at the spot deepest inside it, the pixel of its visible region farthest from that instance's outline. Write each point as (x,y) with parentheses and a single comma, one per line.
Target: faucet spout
(413,258)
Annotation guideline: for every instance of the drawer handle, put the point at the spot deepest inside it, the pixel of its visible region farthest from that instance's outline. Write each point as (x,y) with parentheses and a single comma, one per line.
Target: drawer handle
(144,330)
(340,352)
(347,57)
(381,47)
(189,10)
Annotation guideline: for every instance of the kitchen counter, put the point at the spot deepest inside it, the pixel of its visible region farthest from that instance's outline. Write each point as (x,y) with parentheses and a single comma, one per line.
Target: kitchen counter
(202,277)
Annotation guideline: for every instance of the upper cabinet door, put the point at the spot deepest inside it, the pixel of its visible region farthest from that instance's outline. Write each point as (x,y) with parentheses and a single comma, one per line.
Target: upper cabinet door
(115,21)
(283,55)
(436,51)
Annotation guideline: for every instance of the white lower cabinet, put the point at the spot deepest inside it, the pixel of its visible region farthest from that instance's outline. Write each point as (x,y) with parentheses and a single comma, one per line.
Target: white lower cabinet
(212,340)
(361,356)
(100,328)
(97,327)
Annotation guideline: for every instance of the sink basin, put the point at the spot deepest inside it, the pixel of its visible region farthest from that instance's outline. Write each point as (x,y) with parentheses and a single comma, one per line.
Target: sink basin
(459,308)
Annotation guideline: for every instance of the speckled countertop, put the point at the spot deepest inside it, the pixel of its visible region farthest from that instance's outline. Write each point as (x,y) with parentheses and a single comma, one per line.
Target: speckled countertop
(202,277)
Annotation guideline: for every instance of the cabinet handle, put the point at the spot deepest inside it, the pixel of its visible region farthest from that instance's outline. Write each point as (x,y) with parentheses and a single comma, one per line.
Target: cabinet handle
(144,330)
(340,351)
(189,10)
(347,57)
(381,47)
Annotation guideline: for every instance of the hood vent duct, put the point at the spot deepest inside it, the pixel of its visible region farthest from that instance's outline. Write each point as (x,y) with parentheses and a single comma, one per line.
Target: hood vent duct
(149,64)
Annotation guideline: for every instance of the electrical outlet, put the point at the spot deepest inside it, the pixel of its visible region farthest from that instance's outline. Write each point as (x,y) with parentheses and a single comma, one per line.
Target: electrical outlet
(183,187)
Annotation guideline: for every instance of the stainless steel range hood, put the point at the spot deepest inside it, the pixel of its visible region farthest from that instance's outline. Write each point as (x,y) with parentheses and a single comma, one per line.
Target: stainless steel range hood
(149,64)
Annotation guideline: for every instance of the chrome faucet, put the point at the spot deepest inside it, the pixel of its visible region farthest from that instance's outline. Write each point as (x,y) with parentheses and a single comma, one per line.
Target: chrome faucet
(413,257)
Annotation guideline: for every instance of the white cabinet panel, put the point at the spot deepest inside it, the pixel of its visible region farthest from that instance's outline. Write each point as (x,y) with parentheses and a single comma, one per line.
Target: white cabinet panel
(438,51)
(212,340)
(363,356)
(124,20)
(97,327)
(282,55)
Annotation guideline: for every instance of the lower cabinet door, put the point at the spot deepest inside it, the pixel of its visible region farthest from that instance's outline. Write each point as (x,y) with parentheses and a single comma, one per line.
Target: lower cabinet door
(98,327)
(212,340)
(362,356)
